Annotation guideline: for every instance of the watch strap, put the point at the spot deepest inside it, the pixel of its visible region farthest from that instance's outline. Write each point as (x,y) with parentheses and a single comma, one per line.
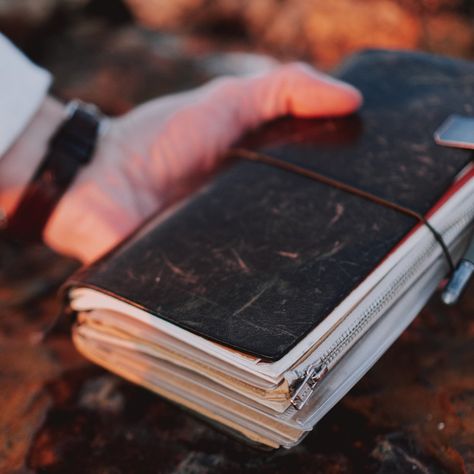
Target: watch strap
(71,147)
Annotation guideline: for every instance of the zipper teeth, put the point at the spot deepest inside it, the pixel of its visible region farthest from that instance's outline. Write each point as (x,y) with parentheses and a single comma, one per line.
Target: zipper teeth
(374,309)
(333,352)
(346,337)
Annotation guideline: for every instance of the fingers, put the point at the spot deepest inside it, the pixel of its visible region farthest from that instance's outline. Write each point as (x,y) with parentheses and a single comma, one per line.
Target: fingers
(300,90)
(292,89)
(217,114)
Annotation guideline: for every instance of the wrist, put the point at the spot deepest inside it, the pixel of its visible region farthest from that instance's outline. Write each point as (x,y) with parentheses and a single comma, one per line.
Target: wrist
(20,162)
(73,228)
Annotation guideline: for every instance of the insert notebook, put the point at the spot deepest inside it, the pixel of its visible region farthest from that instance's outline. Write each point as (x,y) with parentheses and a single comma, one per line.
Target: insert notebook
(262,299)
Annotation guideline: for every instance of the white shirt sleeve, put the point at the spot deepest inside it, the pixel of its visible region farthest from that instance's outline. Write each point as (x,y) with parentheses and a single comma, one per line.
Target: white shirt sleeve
(23,86)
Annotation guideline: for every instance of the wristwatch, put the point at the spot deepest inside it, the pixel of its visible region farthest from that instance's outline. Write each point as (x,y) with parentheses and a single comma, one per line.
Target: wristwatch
(71,147)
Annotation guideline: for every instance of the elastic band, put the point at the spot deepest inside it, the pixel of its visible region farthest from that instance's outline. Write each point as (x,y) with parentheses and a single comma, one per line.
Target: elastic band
(314,175)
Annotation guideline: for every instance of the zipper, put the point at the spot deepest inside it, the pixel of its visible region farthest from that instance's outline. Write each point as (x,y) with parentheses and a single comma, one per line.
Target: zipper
(304,387)
(305,380)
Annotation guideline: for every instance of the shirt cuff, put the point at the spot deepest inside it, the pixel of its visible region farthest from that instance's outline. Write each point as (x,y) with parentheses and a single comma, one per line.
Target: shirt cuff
(23,86)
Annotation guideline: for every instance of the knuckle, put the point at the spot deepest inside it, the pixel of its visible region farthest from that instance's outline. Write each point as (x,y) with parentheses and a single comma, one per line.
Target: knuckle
(225,85)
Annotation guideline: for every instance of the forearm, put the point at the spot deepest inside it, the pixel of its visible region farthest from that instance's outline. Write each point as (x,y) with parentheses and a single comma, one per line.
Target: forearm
(21,160)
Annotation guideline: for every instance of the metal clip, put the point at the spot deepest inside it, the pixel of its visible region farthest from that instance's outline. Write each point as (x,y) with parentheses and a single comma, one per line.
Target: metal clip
(457,131)
(460,277)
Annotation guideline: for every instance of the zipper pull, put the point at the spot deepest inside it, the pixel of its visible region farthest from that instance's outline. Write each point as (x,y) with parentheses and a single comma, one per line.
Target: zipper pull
(305,386)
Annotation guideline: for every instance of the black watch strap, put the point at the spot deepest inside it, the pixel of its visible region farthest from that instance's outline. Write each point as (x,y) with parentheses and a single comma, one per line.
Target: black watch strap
(70,148)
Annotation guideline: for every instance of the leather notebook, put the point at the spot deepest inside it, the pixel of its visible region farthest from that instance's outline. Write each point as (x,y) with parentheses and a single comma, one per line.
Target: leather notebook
(265,282)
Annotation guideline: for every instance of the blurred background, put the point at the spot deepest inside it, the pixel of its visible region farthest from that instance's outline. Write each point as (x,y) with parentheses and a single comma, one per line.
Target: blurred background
(140,48)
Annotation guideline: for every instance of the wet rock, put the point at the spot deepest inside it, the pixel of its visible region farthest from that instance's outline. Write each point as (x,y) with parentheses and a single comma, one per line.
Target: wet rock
(101,395)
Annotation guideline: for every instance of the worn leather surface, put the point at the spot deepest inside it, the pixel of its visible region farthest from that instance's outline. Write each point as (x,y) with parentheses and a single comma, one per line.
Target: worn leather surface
(261,256)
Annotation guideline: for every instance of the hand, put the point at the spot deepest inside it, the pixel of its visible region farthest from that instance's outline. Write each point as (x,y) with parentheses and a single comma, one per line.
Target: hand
(148,155)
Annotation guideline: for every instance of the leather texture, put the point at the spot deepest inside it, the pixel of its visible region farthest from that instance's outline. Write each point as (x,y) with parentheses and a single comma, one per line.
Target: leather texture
(260,256)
